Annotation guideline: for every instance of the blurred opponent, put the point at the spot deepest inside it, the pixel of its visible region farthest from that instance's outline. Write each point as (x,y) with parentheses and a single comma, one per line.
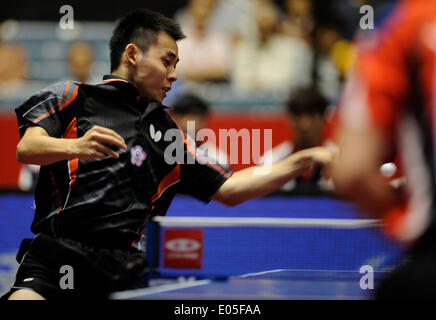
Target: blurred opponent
(388,106)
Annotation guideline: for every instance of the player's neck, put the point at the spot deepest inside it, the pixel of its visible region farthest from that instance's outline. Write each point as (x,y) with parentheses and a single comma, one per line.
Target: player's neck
(126,75)
(120,73)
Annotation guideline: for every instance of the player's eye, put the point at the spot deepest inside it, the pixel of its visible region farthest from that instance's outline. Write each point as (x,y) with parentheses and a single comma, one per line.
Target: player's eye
(166,62)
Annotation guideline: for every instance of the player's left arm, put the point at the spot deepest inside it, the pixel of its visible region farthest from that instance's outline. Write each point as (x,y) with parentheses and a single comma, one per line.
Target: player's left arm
(356,170)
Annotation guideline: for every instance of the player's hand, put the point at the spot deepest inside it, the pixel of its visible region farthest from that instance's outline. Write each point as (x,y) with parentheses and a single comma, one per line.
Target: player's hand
(97,142)
(311,158)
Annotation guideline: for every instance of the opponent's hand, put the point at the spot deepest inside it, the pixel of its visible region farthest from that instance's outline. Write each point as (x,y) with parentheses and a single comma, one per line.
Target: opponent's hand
(96,141)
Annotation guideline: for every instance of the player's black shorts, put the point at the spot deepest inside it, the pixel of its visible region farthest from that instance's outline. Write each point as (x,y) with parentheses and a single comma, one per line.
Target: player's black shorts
(59,268)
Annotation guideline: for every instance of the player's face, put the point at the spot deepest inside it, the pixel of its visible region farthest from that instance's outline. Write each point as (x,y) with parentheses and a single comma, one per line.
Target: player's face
(155,69)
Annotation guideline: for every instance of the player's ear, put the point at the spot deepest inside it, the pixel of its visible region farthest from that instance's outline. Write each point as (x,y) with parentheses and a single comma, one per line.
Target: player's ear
(131,51)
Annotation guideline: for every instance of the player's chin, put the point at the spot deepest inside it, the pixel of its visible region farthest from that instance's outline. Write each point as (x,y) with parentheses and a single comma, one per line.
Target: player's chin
(160,97)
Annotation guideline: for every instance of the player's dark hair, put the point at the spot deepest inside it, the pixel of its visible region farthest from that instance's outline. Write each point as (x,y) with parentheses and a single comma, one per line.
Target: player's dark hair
(307,101)
(140,27)
(190,104)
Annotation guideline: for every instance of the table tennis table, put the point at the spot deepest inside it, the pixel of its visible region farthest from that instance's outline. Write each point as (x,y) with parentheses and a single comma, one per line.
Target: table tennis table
(264,251)
(279,284)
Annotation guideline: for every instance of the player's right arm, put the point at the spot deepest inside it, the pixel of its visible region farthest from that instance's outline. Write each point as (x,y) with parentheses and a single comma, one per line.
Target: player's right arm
(38,147)
(246,184)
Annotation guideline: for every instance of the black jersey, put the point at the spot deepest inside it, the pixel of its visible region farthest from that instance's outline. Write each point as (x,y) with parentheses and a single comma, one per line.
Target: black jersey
(108,201)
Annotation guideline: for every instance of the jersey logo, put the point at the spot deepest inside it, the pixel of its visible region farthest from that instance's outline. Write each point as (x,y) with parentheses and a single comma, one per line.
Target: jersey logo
(156,136)
(137,155)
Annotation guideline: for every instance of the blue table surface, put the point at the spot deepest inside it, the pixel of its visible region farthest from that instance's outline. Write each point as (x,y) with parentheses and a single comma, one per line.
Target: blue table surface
(275,284)
(272,206)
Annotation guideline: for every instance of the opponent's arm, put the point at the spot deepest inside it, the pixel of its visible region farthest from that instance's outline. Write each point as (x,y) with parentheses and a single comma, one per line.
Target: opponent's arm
(356,170)
(37,147)
(250,183)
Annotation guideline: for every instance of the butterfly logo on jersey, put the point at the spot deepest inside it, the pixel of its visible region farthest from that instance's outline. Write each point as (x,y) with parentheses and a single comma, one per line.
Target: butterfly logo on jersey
(137,155)
(155,135)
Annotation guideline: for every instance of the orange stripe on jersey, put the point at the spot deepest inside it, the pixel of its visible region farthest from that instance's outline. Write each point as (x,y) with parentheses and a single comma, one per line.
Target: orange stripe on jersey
(111,80)
(48,112)
(71,133)
(63,105)
(140,238)
(71,99)
(170,179)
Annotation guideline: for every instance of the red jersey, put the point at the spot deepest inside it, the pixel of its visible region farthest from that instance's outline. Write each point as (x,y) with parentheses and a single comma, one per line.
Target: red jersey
(392,89)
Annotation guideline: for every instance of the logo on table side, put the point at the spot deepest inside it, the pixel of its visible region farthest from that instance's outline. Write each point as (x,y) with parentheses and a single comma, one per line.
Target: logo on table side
(137,155)
(183,245)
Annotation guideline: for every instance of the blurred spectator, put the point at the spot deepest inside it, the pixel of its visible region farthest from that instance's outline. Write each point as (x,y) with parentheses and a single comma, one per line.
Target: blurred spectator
(332,60)
(298,20)
(230,17)
(205,53)
(13,63)
(307,115)
(190,107)
(307,110)
(270,61)
(80,61)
